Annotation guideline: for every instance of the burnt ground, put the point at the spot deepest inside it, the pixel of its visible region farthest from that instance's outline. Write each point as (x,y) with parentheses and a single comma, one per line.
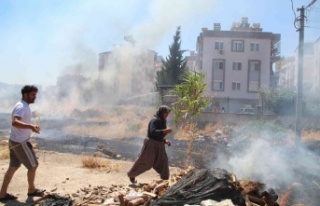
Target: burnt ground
(53,139)
(204,150)
(129,148)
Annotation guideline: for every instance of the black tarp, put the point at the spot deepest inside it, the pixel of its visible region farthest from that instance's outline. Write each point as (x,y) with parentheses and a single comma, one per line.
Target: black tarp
(56,200)
(201,184)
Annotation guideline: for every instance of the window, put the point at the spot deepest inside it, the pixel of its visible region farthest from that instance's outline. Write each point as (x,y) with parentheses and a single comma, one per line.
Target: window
(237,46)
(236,65)
(218,45)
(236,86)
(254,66)
(254,47)
(218,65)
(218,72)
(254,75)
(101,62)
(217,85)
(253,86)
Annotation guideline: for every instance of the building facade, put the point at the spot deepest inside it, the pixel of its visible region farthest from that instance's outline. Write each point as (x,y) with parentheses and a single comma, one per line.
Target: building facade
(237,63)
(128,72)
(191,61)
(311,66)
(287,68)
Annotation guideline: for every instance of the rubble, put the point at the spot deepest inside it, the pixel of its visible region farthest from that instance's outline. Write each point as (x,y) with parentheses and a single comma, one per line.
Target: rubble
(191,186)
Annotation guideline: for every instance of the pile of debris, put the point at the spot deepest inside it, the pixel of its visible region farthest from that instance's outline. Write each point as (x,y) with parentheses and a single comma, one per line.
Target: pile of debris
(188,187)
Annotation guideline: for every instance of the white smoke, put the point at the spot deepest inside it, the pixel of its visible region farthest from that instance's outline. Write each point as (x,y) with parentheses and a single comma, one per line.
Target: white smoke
(270,157)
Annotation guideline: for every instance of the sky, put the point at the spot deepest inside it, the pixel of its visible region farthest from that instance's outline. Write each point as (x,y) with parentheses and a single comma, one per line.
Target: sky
(41,39)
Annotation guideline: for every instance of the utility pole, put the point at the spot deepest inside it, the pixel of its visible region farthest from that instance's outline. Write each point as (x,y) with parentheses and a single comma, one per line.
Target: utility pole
(300,77)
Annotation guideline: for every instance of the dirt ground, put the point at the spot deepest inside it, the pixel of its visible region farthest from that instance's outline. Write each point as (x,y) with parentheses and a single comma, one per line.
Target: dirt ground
(64,174)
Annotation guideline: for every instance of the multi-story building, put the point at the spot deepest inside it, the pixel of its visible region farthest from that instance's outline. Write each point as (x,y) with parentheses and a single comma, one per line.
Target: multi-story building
(237,63)
(285,68)
(309,74)
(128,71)
(191,61)
(311,66)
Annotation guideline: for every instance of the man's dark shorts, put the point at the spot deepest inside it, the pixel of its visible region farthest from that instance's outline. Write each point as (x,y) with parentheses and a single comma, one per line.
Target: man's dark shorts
(22,153)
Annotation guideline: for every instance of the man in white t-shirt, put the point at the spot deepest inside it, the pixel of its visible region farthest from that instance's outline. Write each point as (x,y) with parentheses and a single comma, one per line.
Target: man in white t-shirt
(21,150)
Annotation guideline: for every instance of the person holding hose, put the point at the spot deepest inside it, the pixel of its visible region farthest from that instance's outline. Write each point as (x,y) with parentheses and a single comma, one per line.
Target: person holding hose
(153,153)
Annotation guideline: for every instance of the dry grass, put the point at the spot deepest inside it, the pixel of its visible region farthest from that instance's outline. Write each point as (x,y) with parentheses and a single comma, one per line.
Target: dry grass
(4,151)
(310,136)
(209,128)
(185,131)
(123,121)
(99,163)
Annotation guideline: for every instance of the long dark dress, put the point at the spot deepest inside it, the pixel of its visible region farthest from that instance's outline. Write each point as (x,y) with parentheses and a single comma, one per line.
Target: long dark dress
(153,153)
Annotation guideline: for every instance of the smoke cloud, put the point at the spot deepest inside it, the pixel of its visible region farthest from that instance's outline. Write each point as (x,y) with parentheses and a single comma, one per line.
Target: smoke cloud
(77,40)
(271,157)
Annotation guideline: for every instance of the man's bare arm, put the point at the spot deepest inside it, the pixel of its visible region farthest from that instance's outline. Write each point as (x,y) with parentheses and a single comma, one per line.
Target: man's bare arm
(16,122)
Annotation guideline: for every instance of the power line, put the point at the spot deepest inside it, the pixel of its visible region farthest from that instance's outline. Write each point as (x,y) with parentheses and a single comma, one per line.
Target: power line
(295,15)
(314,9)
(311,3)
(294,12)
(313,20)
(312,27)
(309,10)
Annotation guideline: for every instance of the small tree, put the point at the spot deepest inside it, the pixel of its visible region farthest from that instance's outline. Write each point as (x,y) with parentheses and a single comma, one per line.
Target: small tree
(174,65)
(191,101)
(279,101)
(312,103)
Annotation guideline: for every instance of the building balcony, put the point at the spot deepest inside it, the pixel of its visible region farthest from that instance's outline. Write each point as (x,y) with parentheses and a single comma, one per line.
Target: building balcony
(275,58)
(275,52)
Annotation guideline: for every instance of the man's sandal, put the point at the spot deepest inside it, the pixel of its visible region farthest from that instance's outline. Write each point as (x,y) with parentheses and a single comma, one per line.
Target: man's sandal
(8,197)
(37,193)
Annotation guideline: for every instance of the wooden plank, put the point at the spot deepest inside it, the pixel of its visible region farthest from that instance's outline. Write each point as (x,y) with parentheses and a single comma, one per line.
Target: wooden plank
(149,194)
(256,200)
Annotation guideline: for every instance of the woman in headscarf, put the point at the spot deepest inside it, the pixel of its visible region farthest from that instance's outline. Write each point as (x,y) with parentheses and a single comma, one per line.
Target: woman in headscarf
(153,153)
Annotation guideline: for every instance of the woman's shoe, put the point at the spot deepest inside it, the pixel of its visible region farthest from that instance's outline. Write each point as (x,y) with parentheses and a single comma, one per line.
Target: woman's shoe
(133,180)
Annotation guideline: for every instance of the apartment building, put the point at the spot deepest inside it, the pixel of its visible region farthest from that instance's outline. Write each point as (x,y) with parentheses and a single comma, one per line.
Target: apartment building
(128,71)
(310,76)
(311,65)
(191,61)
(237,63)
(287,68)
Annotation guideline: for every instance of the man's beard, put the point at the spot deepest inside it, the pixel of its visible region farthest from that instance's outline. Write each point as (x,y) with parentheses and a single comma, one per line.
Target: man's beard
(31,101)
